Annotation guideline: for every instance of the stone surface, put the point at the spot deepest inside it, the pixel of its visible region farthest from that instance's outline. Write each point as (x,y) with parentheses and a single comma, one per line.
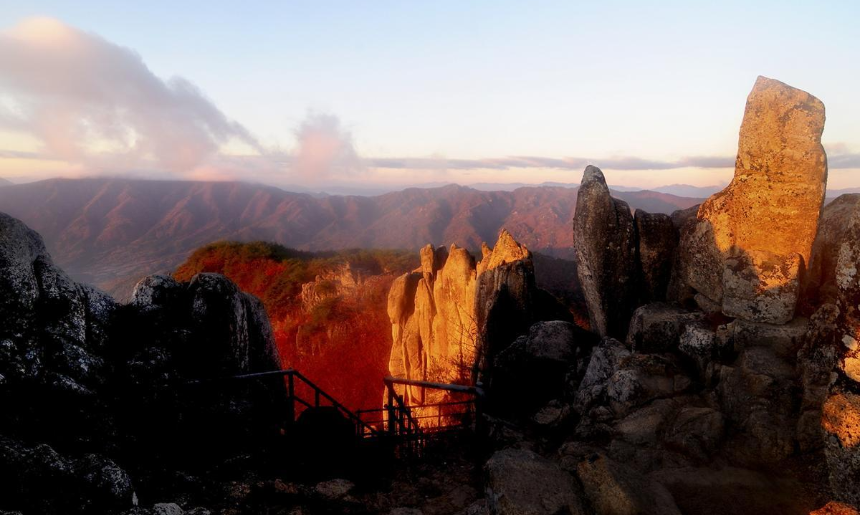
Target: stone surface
(613,489)
(621,381)
(841,423)
(520,482)
(833,228)
(835,508)
(167,508)
(848,280)
(769,212)
(761,286)
(604,239)
(658,239)
(505,295)
(696,432)
(657,327)
(757,395)
(334,488)
(451,317)
(534,369)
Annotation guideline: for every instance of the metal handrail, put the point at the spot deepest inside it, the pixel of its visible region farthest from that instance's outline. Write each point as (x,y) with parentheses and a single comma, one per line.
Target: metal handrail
(290,374)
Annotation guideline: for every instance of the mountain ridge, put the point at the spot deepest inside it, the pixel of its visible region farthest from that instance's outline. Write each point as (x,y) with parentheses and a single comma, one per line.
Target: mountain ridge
(108,231)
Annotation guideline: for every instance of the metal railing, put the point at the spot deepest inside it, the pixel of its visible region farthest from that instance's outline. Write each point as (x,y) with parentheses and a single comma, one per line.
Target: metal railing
(396,420)
(415,423)
(294,378)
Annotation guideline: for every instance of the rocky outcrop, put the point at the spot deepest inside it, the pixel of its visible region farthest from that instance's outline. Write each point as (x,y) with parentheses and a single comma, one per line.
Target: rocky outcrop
(83,379)
(820,282)
(841,423)
(41,479)
(658,327)
(604,239)
(520,482)
(342,281)
(452,314)
(537,367)
(746,249)
(613,488)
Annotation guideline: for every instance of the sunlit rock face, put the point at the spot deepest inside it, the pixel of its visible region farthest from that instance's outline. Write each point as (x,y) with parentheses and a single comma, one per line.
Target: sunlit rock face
(749,243)
(604,239)
(833,228)
(450,313)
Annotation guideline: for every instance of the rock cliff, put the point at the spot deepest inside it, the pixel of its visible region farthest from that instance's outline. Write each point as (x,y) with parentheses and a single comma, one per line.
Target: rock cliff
(85,381)
(749,243)
(451,317)
(604,239)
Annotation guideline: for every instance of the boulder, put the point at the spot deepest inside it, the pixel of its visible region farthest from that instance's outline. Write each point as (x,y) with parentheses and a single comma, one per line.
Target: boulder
(657,239)
(167,508)
(334,488)
(757,395)
(39,479)
(784,340)
(606,358)
(816,365)
(613,489)
(520,482)
(604,239)
(534,369)
(745,249)
(642,378)
(761,286)
(621,381)
(701,344)
(848,281)
(833,227)
(696,432)
(657,327)
(841,424)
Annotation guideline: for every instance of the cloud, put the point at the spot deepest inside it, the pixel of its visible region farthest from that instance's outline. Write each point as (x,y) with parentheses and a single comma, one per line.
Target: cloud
(568,163)
(92,102)
(839,156)
(324,150)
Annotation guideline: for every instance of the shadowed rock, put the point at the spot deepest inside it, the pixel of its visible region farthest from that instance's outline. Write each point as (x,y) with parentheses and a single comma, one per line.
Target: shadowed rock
(604,241)
(658,238)
(520,482)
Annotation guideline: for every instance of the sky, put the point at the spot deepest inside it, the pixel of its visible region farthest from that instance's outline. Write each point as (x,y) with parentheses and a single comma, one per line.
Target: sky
(369,93)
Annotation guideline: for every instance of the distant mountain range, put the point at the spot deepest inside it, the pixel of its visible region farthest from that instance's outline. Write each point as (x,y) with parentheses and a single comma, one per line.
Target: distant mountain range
(109,232)
(4,182)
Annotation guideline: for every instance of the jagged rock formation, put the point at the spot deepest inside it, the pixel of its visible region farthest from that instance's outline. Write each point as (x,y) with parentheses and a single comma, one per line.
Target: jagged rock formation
(724,372)
(745,250)
(452,316)
(431,344)
(343,281)
(88,385)
(604,239)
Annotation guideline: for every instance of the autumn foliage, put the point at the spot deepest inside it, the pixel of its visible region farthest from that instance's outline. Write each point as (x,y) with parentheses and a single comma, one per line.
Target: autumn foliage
(341,338)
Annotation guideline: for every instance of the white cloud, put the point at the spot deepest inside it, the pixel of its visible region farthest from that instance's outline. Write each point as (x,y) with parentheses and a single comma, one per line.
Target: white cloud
(95,103)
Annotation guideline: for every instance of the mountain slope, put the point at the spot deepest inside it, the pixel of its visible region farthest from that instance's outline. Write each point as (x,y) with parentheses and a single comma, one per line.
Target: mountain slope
(111,231)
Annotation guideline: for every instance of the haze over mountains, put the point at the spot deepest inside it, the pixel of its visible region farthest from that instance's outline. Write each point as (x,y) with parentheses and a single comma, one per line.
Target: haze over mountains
(109,232)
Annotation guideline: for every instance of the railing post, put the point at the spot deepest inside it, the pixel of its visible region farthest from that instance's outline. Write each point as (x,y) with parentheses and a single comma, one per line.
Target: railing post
(292,398)
(392,414)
